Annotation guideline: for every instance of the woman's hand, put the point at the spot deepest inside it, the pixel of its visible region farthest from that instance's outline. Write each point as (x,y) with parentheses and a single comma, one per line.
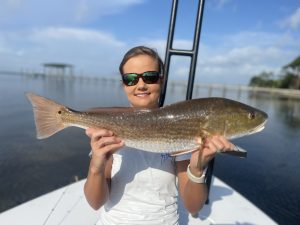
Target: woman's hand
(207,152)
(103,143)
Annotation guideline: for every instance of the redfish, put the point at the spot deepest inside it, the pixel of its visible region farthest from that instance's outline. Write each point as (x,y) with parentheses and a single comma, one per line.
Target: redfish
(171,129)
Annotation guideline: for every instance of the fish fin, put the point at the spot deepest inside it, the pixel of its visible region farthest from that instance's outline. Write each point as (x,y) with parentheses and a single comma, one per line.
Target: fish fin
(111,109)
(118,110)
(182,152)
(237,151)
(46,115)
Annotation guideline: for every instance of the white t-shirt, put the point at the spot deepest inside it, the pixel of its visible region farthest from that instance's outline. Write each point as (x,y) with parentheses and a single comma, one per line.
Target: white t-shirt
(143,189)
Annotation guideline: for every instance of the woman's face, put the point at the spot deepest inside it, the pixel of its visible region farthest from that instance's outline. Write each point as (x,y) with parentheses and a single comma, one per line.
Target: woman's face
(142,95)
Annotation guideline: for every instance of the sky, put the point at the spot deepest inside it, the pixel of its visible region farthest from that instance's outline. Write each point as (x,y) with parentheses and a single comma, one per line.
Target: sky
(239,38)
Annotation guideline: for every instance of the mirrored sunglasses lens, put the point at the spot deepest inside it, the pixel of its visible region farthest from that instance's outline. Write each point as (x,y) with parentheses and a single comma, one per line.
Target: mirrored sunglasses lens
(150,77)
(130,79)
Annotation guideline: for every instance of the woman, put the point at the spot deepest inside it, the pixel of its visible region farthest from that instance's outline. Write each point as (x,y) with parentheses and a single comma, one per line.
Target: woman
(137,187)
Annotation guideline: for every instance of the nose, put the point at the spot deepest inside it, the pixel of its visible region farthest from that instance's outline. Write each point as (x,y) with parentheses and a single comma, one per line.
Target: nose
(141,84)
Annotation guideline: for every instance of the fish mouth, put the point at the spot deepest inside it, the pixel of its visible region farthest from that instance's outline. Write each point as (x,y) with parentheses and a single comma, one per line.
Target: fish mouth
(257,129)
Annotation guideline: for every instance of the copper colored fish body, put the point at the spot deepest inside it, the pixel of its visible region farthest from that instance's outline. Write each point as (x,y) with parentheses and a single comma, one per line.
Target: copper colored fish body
(170,129)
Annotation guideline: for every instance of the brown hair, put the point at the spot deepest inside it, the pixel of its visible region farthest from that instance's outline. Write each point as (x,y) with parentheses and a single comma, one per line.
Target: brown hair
(142,50)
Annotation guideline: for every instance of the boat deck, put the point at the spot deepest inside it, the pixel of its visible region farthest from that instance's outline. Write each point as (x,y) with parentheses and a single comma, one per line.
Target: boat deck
(68,206)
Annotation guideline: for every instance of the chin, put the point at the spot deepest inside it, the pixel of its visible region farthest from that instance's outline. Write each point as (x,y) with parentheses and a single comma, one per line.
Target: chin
(142,104)
(146,102)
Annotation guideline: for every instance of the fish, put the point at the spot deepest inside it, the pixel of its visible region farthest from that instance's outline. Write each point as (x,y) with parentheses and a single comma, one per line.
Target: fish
(173,129)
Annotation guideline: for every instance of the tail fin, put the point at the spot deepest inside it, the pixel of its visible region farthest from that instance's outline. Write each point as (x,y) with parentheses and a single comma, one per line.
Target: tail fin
(46,115)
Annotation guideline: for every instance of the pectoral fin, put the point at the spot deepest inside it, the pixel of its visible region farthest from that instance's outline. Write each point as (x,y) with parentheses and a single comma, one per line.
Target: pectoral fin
(238,151)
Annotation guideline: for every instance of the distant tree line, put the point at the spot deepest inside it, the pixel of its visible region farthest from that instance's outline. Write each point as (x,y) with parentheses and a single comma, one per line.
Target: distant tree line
(289,77)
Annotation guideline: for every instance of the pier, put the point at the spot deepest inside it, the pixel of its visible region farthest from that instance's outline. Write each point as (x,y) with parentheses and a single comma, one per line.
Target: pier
(58,69)
(208,88)
(254,91)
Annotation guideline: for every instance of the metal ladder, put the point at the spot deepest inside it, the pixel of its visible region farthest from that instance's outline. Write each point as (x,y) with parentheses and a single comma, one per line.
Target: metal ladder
(189,53)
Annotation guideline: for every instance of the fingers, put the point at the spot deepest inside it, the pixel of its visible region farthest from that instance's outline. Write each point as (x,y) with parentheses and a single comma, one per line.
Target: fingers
(103,143)
(107,142)
(209,148)
(101,138)
(97,133)
(218,144)
(104,140)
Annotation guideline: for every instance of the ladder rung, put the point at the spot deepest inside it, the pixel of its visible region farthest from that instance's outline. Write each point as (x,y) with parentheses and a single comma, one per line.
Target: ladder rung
(181,52)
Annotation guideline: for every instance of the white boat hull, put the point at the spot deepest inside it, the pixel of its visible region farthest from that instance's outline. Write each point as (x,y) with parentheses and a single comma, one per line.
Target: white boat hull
(68,206)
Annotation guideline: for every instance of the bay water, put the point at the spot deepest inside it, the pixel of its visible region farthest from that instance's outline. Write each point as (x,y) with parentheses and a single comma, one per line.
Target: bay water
(269,177)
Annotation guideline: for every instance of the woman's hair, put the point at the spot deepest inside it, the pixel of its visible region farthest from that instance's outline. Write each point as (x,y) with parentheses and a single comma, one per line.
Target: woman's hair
(142,50)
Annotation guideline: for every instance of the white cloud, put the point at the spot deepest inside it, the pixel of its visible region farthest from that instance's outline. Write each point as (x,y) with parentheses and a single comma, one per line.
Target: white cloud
(238,65)
(230,59)
(293,21)
(35,13)
(222,4)
(259,39)
(95,52)
(235,58)
(92,52)
(74,34)
(90,9)
(244,54)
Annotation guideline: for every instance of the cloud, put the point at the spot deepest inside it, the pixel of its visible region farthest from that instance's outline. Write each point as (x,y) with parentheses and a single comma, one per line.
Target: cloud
(97,53)
(92,52)
(35,13)
(238,65)
(90,9)
(293,21)
(73,34)
(239,56)
(222,4)
(235,58)
(260,39)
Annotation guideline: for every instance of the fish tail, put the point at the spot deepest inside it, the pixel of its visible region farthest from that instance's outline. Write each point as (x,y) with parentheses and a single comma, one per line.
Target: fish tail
(47,115)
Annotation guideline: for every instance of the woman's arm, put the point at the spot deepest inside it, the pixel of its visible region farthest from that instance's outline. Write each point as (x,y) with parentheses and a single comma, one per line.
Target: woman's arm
(194,194)
(97,185)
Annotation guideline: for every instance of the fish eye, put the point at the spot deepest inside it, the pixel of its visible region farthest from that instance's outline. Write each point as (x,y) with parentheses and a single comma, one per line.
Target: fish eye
(59,112)
(251,115)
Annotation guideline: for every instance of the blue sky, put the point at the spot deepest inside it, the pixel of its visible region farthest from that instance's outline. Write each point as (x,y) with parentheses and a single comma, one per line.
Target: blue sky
(239,39)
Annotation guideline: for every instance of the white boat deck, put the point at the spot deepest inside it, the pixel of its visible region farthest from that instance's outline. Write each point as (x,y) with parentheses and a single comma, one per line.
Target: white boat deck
(67,206)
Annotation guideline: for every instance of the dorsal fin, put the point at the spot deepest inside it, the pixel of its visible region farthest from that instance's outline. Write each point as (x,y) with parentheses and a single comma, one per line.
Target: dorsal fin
(111,109)
(117,110)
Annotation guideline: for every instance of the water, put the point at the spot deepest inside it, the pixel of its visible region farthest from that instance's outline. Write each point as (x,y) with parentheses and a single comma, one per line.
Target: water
(269,177)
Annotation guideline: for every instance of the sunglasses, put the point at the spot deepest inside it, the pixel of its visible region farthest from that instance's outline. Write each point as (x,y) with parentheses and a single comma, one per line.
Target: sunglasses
(149,77)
